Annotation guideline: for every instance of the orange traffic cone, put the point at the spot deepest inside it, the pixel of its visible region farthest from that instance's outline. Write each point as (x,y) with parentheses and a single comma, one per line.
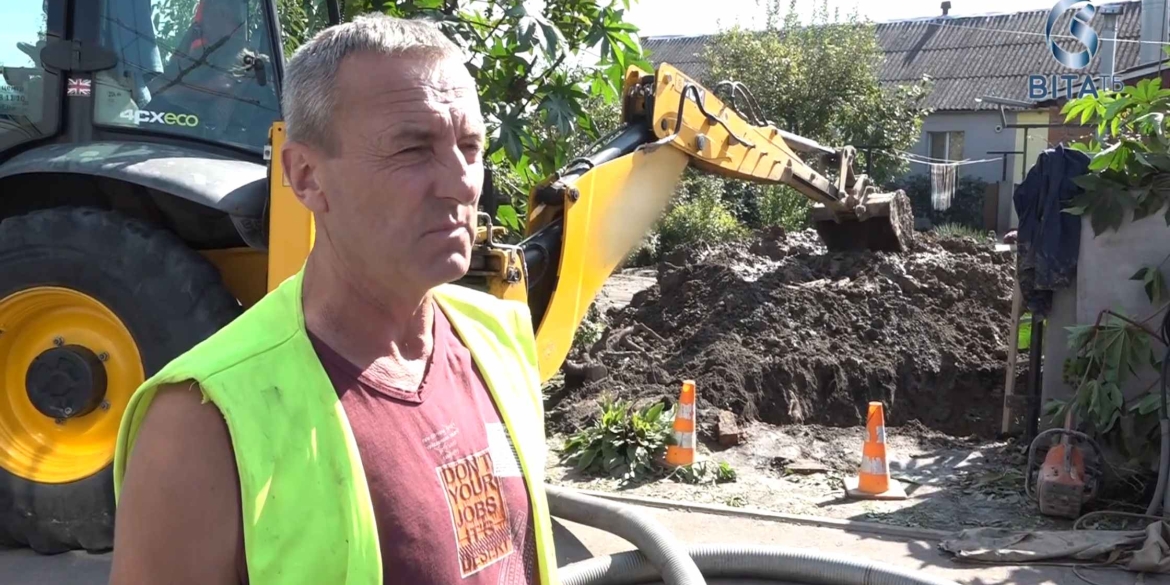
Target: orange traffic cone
(874,481)
(682,452)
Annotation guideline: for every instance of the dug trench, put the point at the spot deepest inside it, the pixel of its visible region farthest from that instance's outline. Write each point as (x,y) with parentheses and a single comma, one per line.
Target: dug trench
(781,331)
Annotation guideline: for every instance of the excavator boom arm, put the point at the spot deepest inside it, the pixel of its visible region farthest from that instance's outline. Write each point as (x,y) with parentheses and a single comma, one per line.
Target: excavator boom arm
(584,221)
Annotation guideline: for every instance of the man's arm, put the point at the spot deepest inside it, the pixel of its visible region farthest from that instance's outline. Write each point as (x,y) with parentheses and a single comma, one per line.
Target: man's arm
(178,519)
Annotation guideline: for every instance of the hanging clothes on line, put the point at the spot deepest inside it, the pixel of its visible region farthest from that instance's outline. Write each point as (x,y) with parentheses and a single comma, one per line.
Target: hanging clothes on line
(943,180)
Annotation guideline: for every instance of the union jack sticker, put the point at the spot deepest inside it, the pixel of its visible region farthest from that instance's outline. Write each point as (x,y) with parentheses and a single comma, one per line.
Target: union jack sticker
(79,87)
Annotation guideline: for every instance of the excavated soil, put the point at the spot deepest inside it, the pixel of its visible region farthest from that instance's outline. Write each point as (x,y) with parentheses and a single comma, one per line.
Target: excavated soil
(781,331)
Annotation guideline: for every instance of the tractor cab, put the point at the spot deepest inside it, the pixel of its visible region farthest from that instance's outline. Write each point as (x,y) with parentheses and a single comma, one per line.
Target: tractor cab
(201,72)
(210,75)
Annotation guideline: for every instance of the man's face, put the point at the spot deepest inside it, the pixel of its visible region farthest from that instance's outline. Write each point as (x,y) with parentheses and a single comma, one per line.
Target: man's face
(404,181)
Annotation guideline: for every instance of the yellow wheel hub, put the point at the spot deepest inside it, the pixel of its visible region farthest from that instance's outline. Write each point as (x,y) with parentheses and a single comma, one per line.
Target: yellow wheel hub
(67,368)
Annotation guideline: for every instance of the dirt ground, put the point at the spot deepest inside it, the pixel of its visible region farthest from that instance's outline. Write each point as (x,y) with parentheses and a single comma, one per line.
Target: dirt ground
(952,483)
(785,332)
(795,341)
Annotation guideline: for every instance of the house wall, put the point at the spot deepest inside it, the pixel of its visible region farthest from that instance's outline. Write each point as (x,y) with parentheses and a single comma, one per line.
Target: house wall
(979,137)
(984,133)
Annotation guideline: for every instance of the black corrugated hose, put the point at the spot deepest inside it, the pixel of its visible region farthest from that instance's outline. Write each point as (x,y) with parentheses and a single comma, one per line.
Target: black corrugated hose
(661,558)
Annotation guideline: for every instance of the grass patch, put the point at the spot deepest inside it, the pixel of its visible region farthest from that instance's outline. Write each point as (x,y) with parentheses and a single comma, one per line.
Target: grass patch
(958,230)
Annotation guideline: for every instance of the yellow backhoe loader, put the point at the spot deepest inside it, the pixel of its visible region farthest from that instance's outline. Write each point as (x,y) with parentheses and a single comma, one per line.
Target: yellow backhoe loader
(142,207)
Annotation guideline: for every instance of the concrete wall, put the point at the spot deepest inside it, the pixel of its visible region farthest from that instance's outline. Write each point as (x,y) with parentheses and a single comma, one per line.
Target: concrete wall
(1103,269)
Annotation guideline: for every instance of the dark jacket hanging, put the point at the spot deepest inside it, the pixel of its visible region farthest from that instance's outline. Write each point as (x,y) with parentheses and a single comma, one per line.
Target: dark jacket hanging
(1048,241)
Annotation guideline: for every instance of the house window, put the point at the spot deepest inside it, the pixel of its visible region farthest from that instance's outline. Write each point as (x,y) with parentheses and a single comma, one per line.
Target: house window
(946,145)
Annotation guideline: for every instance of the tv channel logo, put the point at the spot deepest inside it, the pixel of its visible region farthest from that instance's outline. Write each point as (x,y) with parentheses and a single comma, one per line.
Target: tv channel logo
(1048,86)
(1081,30)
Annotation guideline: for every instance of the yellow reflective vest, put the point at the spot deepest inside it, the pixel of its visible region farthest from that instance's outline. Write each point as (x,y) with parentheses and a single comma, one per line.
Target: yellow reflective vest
(306,507)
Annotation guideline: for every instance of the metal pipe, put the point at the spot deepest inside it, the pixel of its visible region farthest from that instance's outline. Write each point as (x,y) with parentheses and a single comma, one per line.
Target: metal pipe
(805,145)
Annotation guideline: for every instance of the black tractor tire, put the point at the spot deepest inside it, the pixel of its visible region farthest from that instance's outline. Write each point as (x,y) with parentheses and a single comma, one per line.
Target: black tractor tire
(167,295)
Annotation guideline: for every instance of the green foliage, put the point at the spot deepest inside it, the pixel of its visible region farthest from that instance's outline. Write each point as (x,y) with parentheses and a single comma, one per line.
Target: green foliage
(705,472)
(171,19)
(514,185)
(958,230)
(966,205)
(525,60)
(783,206)
(623,442)
(1105,356)
(821,81)
(1130,168)
(698,216)
(1153,282)
(299,21)
(590,329)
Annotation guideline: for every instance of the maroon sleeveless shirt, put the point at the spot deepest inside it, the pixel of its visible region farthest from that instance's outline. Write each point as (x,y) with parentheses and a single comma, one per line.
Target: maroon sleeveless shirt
(449,499)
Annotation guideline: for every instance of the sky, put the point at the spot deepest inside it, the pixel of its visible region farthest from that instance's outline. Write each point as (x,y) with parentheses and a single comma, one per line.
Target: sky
(695,17)
(18,24)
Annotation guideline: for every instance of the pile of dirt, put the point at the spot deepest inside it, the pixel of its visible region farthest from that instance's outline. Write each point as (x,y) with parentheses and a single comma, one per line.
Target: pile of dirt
(781,331)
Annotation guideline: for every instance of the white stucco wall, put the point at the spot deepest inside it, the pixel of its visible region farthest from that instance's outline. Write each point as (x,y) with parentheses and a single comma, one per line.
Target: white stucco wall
(1104,267)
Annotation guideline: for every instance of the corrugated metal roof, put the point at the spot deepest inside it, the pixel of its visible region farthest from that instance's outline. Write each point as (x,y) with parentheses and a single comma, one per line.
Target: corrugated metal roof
(966,57)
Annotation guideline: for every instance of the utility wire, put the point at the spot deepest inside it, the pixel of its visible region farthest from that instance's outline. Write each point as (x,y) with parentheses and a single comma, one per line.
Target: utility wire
(954,164)
(1042,35)
(926,160)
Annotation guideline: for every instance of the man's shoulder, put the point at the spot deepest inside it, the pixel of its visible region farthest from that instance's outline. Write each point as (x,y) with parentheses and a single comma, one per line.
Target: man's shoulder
(257,330)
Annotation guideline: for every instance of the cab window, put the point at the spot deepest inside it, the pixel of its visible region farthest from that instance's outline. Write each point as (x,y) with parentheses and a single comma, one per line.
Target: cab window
(194,68)
(22,87)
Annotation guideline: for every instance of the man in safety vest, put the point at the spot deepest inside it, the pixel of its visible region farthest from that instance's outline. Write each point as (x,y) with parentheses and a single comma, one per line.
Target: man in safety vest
(366,422)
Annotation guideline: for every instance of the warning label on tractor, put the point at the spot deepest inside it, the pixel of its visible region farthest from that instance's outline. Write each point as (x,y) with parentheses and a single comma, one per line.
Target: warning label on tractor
(478,512)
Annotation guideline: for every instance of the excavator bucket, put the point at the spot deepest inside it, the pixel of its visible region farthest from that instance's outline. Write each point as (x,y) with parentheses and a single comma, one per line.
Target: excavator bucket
(887,225)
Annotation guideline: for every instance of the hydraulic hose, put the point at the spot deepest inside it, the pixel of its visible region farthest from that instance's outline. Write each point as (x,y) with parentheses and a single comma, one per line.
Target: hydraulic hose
(767,564)
(664,554)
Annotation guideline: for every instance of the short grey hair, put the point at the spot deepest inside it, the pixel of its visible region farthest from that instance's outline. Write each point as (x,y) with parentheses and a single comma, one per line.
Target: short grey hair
(309,96)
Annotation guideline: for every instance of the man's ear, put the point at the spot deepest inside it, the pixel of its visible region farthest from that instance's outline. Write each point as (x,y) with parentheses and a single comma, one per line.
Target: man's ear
(303,166)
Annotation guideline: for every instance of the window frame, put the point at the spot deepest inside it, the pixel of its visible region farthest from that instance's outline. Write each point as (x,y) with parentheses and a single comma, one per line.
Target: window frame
(271,27)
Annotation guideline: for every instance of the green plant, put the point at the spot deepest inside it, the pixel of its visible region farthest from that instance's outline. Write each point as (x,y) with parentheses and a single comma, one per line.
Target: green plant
(958,230)
(623,442)
(1130,166)
(299,21)
(698,215)
(1105,356)
(705,472)
(784,207)
(590,329)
